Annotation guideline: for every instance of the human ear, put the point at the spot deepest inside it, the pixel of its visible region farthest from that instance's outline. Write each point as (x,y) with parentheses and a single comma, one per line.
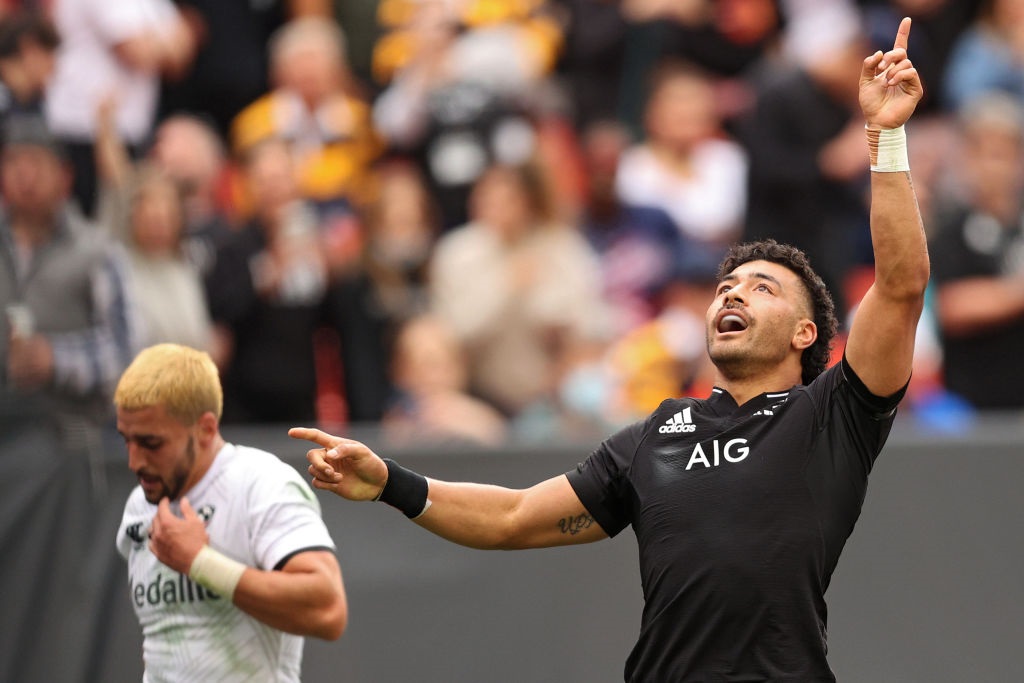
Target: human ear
(806,334)
(207,427)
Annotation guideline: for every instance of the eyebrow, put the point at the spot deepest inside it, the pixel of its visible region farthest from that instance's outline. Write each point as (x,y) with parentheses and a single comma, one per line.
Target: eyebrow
(732,277)
(138,437)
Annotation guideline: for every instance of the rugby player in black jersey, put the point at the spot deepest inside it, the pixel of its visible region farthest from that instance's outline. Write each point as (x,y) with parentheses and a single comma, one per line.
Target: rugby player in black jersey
(773,465)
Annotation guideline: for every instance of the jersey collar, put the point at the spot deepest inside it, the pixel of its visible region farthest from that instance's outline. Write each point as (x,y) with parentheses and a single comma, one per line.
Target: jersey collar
(723,402)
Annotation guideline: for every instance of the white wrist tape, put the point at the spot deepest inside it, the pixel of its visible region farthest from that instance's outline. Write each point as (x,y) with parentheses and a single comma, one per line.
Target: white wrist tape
(216,571)
(887,150)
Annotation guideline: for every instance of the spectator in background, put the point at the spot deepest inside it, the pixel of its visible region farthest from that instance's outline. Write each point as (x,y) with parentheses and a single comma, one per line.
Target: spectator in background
(188,149)
(431,404)
(402,226)
(988,55)
(519,290)
(266,294)
(527,29)
(638,246)
(722,37)
(687,166)
(111,48)
(28,44)
(288,311)
(375,292)
(812,26)
(232,63)
(316,106)
(977,251)
(462,84)
(805,139)
(142,208)
(69,328)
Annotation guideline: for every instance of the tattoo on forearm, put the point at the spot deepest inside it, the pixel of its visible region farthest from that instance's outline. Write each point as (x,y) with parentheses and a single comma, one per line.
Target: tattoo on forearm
(574,525)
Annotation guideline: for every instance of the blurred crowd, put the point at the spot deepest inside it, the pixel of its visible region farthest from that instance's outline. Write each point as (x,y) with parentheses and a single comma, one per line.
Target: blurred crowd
(473,220)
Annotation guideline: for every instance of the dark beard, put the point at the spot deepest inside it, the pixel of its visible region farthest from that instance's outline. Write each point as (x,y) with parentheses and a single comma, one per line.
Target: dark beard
(182,474)
(732,364)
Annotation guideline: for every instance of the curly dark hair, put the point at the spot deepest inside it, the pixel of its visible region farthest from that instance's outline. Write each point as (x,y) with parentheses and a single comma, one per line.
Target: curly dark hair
(816,356)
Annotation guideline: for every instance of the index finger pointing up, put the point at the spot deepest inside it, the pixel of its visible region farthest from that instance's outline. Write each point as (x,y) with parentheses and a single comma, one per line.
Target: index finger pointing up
(902,34)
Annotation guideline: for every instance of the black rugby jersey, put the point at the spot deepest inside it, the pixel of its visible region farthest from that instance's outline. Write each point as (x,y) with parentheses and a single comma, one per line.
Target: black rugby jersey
(740,514)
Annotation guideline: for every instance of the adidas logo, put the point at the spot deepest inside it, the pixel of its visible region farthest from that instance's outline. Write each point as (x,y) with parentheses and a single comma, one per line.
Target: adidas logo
(679,423)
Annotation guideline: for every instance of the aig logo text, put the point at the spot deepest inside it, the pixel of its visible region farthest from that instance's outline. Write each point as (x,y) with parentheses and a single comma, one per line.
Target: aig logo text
(734,450)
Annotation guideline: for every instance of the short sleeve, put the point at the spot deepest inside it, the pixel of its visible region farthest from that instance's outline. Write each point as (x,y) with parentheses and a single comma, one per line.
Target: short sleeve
(879,407)
(853,422)
(602,481)
(285,518)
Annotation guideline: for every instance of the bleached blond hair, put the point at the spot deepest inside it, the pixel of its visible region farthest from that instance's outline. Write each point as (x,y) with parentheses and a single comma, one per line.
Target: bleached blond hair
(183,380)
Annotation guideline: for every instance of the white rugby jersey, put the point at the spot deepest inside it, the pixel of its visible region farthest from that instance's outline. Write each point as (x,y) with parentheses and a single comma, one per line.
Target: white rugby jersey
(259,511)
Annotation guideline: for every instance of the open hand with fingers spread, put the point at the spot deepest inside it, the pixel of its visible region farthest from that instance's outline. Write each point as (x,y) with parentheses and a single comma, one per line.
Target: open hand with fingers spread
(342,466)
(890,86)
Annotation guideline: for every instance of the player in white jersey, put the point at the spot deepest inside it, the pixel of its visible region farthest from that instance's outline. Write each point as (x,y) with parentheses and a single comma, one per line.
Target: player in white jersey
(227,579)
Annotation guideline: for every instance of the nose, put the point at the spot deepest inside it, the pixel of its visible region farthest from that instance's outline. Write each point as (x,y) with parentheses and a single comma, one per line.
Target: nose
(733,295)
(135,458)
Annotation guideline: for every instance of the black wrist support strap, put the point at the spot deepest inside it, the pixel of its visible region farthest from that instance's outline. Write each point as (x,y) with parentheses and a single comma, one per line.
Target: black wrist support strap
(405,490)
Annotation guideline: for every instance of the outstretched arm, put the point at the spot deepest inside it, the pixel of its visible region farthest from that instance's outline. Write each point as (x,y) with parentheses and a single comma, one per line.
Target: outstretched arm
(475,515)
(880,347)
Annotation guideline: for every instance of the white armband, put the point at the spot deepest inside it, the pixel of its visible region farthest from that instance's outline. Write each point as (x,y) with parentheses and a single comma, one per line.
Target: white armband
(887,150)
(216,571)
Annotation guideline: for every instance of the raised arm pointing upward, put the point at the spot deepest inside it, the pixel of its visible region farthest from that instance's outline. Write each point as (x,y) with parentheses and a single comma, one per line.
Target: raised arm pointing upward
(881,343)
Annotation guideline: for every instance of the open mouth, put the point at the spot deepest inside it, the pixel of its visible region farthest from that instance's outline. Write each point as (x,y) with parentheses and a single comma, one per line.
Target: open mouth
(731,322)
